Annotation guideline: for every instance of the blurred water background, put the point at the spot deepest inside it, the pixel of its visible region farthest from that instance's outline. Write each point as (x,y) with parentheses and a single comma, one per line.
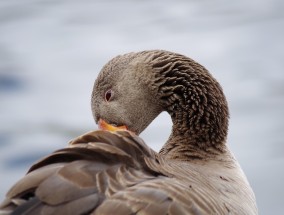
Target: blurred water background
(52,50)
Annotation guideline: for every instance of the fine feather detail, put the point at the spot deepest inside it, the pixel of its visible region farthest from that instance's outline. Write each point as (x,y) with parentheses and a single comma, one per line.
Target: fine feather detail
(116,173)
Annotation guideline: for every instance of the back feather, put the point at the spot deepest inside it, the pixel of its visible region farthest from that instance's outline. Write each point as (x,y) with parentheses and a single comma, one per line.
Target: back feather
(116,173)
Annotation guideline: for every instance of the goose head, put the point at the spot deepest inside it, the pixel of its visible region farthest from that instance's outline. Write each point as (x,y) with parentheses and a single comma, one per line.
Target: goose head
(133,89)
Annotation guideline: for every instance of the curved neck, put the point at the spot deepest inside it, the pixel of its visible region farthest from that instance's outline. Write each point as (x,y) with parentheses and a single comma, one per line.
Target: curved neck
(197,106)
(191,142)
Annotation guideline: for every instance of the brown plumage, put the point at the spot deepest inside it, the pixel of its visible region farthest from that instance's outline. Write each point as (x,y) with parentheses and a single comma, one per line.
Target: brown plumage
(105,172)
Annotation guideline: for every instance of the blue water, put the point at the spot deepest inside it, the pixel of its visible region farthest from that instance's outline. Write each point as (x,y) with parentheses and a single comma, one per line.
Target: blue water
(52,51)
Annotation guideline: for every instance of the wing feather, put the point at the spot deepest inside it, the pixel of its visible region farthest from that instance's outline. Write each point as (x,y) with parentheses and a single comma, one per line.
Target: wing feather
(93,168)
(116,173)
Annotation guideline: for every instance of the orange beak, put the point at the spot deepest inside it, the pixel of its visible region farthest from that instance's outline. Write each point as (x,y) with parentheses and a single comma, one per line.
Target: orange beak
(103,125)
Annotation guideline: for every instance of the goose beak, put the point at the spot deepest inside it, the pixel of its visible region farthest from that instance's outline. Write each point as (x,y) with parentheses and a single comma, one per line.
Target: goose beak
(103,125)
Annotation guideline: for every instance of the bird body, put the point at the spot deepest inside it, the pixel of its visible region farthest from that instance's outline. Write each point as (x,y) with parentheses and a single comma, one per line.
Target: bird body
(105,172)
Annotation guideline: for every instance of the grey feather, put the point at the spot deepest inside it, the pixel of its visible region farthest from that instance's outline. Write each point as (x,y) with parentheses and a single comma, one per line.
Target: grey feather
(105,172)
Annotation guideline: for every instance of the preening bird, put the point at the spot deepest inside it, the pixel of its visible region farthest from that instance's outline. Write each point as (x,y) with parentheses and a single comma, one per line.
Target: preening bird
(112,171)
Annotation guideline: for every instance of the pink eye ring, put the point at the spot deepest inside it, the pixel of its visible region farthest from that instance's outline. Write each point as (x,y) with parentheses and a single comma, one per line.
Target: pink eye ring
(108,95)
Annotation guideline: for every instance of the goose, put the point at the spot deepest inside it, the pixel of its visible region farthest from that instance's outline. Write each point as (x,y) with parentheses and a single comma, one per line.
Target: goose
(112,170)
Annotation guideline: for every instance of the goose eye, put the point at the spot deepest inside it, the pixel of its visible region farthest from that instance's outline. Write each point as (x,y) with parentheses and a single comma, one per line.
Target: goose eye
(108,95)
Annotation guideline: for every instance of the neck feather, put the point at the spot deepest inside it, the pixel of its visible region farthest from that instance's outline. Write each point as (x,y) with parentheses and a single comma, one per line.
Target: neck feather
(196,103)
